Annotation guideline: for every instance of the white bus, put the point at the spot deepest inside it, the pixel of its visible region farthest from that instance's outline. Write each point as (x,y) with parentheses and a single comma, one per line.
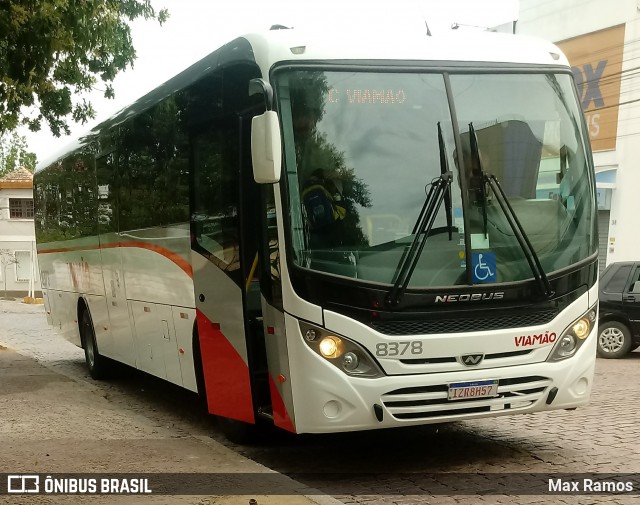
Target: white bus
(337,234)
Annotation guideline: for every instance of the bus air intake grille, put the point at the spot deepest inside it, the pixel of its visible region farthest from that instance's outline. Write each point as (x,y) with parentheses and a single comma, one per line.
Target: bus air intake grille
(461,325)
(430,402)
(452,359)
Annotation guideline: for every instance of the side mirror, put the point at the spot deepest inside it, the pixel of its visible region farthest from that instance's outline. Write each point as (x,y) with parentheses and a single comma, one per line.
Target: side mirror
(266,149)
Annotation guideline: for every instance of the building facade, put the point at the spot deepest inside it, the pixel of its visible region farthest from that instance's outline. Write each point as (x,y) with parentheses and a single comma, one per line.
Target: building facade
(602,42)
(18,260)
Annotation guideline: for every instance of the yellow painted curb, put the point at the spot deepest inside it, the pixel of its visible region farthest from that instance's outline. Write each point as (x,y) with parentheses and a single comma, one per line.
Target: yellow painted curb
(28,299)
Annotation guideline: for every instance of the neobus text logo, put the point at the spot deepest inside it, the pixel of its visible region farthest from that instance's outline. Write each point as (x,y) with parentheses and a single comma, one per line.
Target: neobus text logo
(470,297)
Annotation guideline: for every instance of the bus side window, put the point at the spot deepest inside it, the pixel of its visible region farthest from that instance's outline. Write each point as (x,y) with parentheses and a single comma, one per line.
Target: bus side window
(215,209)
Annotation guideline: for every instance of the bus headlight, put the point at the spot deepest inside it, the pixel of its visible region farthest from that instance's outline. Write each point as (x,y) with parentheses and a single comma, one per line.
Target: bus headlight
(574,336)
(329,347)
(345,354)
(567,345)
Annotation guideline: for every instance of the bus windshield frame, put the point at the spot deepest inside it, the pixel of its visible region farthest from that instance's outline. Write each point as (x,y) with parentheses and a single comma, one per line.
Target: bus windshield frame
(362,150)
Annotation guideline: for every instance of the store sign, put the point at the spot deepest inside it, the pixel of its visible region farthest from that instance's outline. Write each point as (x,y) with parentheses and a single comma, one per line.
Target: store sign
(596,63)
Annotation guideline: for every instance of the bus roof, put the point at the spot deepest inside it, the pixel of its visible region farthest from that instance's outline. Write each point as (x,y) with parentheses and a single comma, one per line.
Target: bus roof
(290,45)
(473,47)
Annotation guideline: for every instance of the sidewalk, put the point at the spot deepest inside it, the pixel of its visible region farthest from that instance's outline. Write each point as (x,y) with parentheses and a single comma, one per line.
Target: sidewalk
(55,421)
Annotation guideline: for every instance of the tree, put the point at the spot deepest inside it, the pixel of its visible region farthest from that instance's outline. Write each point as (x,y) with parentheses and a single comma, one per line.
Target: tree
(53,50)
(7,257)
(14,153)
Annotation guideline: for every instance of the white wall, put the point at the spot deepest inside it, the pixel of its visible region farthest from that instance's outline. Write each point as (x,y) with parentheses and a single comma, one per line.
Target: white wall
(556,20)
(16,235)
(625,208)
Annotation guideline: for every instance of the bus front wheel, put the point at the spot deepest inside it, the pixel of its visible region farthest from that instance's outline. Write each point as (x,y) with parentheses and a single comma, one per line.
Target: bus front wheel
(239,432)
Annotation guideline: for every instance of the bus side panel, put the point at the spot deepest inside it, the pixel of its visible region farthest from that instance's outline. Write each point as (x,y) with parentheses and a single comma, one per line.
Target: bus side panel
(64,315)
(223,345)
(122,346)
(279,372)
(48,297)
(157,349)
(183,320)
(156,265)
(47,305)
(150,265)
(71,269)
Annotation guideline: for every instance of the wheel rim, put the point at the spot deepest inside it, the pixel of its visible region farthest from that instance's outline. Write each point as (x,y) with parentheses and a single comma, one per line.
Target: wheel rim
(611,340)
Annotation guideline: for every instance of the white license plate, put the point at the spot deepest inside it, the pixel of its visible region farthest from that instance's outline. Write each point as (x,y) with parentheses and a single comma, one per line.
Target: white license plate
(471,390)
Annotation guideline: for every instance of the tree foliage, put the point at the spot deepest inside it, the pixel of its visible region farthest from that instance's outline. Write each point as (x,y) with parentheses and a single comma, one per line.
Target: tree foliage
(53,50)
(14,153)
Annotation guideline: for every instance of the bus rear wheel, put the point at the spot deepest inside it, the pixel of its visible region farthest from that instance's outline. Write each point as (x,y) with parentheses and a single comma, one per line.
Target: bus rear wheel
(98,365)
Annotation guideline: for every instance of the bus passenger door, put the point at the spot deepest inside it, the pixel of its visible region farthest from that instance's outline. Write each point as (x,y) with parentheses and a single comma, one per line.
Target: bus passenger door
(268,351)
(217,275)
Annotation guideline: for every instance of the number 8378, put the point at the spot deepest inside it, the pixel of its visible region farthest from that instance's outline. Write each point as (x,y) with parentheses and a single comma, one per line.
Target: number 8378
(392,349)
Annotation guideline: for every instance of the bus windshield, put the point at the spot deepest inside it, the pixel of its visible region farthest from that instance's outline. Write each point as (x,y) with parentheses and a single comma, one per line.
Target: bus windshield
(363,149)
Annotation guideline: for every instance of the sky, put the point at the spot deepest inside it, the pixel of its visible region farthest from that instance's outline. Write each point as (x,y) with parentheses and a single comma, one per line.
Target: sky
(197,27)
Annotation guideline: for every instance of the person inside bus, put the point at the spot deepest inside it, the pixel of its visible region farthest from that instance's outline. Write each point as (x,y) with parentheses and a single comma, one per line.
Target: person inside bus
(320,184)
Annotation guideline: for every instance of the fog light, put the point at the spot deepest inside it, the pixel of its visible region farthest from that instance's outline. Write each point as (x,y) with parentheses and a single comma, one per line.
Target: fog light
(329,347)
(581,328)
(310,335)
(567,344)
(350,361)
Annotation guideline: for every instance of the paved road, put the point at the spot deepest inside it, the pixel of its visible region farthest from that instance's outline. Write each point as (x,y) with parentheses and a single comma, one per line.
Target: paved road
(402,466)
(54,419)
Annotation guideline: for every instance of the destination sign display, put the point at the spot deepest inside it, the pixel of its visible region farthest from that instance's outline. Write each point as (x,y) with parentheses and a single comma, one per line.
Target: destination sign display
(366,96)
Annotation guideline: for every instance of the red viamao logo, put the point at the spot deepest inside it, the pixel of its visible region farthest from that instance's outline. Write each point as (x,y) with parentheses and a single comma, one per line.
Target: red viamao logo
(531,340)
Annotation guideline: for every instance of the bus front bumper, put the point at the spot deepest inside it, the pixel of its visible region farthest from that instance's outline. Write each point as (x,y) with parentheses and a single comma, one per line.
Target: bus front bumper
(327,400)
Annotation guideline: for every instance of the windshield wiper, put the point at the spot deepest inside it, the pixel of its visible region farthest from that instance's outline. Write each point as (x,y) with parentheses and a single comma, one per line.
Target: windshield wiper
(477,182)
(521,236)
(439,188)
(444,168)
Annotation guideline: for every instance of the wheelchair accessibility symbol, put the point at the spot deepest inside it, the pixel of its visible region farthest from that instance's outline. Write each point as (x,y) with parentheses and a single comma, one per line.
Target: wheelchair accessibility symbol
(484,267)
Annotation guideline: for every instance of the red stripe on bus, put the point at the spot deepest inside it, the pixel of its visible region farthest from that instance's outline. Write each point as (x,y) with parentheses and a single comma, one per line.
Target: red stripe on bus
(183,264)
(280,415)
(175,258)
(226,375)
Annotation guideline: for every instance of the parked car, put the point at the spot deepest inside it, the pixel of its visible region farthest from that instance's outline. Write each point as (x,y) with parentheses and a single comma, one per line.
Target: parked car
(619,322)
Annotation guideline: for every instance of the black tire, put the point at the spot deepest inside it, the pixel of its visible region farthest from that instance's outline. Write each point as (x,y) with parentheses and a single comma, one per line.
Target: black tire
(197,368)
(239,432)
(614,340)
(99,366)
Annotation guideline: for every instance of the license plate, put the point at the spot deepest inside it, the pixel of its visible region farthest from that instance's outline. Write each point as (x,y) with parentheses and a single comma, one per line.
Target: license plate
(471,390)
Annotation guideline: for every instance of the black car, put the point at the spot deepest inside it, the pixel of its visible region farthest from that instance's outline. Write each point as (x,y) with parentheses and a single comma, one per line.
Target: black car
(619,323)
